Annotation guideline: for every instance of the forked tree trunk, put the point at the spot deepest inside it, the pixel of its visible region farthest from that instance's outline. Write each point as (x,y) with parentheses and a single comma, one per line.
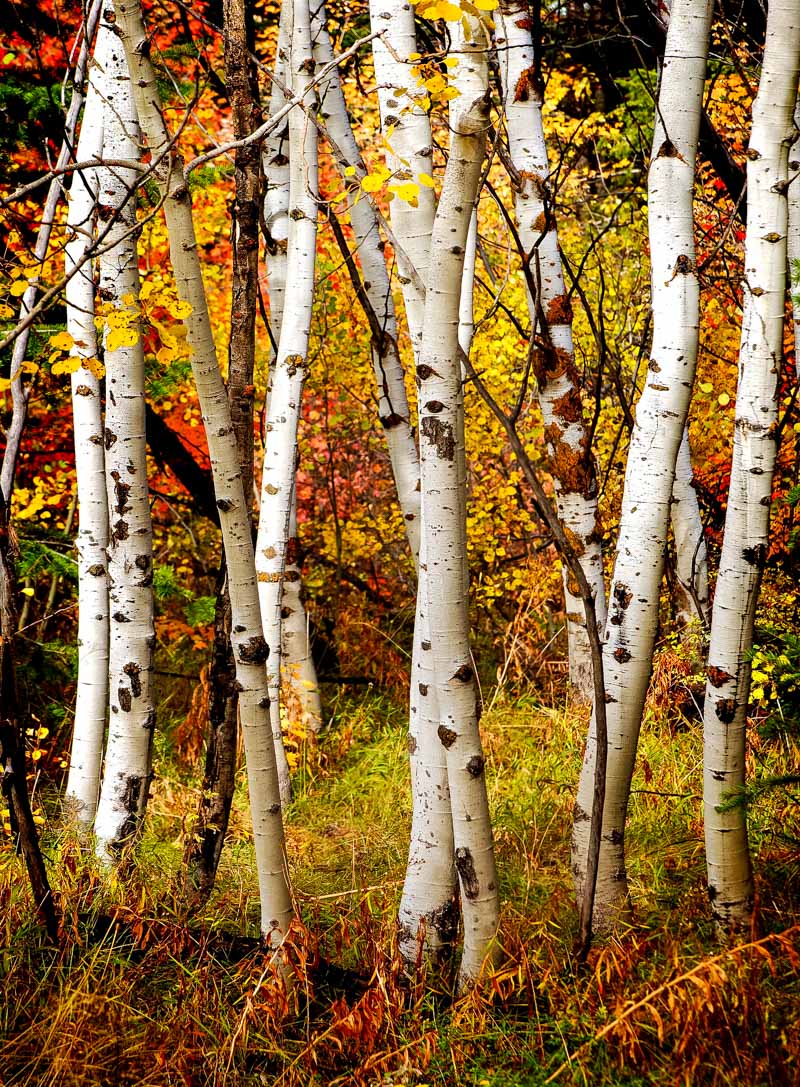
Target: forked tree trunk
(204,847)
(91,706)
(247,637)
(132,718)
(289,371)
(427,913)
(571,461)
(443,503)
(656,437)
(691,557)
(746,540)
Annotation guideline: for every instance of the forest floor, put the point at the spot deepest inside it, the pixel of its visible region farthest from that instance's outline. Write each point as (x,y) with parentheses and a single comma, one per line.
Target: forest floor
(144,991)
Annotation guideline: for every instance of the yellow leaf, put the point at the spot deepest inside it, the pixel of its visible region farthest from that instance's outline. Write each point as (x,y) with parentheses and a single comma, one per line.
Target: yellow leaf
(485,5)
(181,310)
(95,367)
(449,12)
(27,591)
(426,180)
(121,337)
(165,355)
(372,183)
(723,400)
(408,191)
(66,366)
(5,311)
(706,387)
(19,288)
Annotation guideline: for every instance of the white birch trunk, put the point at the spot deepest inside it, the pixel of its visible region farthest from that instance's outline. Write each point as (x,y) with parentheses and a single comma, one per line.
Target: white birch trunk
(656,437)
(571,461)
(411,145)
(746,540)
(393,410)
(247,640)
(298,674)
(793,238)
(691,556)
(443,504)
(126,779)
(19,393)
(466,309)
(288,372)
(91,706)
(427,911)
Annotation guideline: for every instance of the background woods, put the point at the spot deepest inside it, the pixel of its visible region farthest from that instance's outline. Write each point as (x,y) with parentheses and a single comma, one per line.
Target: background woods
(398,542)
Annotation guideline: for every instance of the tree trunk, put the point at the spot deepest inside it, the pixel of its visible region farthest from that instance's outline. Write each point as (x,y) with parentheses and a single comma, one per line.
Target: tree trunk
(793,237)
(19,394)
(298,674)
(204,847)
(288,372)
(91,707)
(691,558)
(571,461)
(427,913)
(655,439)
(444,503)
(249,646)
(746,541)
(393,409)
(126,779)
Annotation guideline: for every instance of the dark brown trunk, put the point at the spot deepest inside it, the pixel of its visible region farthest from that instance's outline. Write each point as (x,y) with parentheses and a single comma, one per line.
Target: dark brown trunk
(205,846)
(12,743)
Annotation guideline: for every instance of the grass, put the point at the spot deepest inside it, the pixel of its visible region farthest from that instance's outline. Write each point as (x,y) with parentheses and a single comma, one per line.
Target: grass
(144,991)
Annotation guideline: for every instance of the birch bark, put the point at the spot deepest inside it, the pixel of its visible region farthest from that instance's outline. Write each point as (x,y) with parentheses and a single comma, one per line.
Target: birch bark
(19,394)
(691,556)
(91,707)
(126,778)
(427,911)
(298,674)
(571,460)
(444,504)
(249,646)
(288,373)
(793,237)
(655,440)
(393,409)
(746,540)
(406,129)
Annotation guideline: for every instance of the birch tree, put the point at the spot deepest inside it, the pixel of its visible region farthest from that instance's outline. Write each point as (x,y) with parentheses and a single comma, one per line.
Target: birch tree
(126,777)
(655,440)
(249,647)
(427,909)
(19,394)
(571,460)
(444,503)
(793,238)
(691,556)
(91,706)
(289,370)
(746,540)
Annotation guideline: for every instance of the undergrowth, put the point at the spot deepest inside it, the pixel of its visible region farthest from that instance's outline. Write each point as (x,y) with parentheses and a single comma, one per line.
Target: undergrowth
(144,991)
